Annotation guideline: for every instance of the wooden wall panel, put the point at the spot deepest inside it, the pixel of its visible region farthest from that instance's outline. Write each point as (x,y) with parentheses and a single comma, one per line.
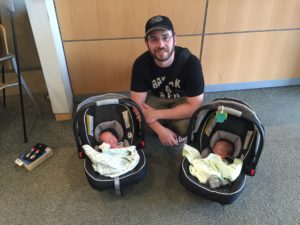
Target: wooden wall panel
(250,57)
(193,43)
(102,38)
(106,19)
(105,66)
(101,66)
(243,15)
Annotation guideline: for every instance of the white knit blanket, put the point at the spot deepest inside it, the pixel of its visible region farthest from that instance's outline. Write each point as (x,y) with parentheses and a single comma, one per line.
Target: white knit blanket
(112,162)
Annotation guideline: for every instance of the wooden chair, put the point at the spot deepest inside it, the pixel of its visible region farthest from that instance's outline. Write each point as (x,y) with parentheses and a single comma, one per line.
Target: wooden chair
(6,60)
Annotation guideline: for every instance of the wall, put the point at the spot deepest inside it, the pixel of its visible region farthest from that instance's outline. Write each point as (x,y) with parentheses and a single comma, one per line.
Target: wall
(50,49)
(252,43)
(43,44)
(28,55)
(239,42)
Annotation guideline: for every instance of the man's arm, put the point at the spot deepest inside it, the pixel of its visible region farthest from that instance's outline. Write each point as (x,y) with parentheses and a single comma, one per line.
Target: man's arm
(182,111)
(166,136)
(138,97)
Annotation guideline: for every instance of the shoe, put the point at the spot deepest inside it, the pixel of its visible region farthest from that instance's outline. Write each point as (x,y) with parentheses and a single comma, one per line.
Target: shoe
(181,140)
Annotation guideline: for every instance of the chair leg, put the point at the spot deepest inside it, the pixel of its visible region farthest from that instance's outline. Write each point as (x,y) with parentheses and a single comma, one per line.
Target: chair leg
(22,112)
(16,66)
(3,81)
(22,109)
(14,63)
(26,88)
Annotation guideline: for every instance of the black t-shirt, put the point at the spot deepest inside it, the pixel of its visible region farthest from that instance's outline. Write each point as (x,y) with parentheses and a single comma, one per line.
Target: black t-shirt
(183,79)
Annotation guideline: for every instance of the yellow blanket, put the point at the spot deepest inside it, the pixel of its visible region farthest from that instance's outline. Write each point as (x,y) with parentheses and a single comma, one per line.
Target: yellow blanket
(203,168)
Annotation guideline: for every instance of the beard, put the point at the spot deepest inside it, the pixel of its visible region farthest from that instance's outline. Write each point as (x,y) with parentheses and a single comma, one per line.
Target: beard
(162,55)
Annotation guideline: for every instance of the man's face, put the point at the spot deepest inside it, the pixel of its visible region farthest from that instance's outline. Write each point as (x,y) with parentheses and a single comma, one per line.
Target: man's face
(161,44)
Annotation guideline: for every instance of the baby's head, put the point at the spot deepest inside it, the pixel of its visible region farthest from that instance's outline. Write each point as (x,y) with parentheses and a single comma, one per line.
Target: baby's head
(108,137)
(223,148)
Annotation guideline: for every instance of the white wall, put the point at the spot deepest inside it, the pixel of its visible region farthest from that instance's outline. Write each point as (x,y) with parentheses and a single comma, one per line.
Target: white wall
(45,30)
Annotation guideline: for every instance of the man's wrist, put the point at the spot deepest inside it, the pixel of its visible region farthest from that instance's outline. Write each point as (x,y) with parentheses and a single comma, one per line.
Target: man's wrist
(159,114)
(155,126)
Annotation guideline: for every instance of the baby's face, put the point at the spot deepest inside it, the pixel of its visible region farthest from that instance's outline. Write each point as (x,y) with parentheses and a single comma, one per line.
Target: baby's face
(223,149)
(109,138)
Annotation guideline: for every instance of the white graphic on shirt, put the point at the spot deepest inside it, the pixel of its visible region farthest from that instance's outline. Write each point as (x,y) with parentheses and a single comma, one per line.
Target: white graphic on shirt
(162,95)
(156,83)
(167,91)
(175,83)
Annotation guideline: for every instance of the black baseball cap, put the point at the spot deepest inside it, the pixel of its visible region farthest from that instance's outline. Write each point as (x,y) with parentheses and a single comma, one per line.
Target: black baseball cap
(158,23)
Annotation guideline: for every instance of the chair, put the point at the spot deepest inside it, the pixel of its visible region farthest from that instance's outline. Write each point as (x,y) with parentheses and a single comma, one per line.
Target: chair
(5,60)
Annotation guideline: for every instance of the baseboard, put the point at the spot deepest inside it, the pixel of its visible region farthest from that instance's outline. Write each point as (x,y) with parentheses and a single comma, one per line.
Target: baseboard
(63,116)
(251,85)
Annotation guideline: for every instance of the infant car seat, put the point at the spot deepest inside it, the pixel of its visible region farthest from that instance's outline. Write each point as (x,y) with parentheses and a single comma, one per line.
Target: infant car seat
(110,111)
(232,120)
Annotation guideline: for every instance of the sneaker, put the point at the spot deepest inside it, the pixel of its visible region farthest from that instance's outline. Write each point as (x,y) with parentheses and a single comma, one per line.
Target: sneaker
(181,140)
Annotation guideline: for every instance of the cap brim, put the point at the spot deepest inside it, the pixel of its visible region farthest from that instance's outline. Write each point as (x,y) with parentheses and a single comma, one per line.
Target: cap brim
(156,28)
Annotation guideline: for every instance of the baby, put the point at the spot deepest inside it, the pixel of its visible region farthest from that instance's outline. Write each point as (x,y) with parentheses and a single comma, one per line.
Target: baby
(223,148)
(214,169)
(111,139)
(112,158)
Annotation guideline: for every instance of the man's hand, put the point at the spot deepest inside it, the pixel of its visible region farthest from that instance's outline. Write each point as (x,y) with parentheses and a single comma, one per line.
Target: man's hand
(166,136)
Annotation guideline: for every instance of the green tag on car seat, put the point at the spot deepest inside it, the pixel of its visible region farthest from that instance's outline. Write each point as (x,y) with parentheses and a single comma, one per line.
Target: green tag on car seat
(221,116)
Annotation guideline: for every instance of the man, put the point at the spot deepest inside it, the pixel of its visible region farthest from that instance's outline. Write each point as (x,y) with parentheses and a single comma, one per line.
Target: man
(167,82)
